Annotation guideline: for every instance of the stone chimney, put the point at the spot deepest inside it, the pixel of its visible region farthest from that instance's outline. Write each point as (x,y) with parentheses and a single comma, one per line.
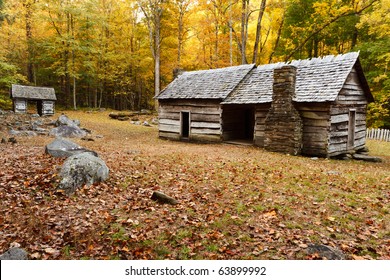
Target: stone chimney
(177,72)
(283,124)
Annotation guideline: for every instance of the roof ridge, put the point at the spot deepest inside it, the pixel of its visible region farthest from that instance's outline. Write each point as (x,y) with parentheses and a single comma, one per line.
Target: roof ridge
(325,59)
(221,69)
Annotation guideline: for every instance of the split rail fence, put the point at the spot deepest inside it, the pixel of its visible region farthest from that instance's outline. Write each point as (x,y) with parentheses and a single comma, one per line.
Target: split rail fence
(378,134)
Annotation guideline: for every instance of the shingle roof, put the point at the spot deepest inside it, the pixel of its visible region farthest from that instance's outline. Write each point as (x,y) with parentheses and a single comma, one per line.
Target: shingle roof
(33,93)
(206,84)
(321,79)
(318,80)
(256,87)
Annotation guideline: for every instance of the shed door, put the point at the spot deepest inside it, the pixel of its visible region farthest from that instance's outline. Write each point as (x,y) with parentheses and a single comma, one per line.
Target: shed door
(351,128)
(185,124)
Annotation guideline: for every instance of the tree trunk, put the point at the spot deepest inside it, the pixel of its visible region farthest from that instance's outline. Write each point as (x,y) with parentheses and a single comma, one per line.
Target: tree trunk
(29,38)
(74,94)
(277,38)
(244,30)
(180,35)
(258,31)
(157,60)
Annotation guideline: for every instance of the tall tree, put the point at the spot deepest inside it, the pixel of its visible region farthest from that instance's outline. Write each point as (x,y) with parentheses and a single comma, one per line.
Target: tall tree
(29,6)
(182,7)
(258,30)
(244,29)
(153,12)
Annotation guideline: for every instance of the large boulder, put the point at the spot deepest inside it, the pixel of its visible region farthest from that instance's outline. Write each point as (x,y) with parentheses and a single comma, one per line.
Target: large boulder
(325,252)
(64,120)
(61,147)
(68,131)
(66,127)
(82,169)
(14,254)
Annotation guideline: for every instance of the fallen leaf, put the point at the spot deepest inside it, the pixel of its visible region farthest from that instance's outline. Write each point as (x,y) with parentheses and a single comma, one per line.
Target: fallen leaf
(51,251)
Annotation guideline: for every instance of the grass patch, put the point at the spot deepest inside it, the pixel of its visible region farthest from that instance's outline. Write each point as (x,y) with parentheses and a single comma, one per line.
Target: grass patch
(235,202)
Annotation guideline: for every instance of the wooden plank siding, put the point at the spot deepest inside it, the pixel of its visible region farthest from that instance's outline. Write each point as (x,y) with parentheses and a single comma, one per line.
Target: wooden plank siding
(316,122)
(260,116)
(351,100)
(205,116)
(20,105)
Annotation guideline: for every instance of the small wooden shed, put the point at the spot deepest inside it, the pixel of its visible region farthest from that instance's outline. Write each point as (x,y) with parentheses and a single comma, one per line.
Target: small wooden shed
(314,107)
(44,97)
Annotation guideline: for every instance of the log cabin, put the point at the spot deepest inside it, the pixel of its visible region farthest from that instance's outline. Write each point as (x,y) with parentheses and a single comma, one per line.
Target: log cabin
(314,107)
(44,97)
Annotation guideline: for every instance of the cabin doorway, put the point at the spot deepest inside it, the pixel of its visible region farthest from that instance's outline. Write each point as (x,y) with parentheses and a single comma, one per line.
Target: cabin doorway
(185,125)
(238,123)
(351,129)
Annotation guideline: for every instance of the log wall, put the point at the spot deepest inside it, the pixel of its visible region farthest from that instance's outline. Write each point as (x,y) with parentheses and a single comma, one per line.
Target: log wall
(45,107)
(205,119)
(351,101)
(315,133)
(260,116)
(20,105)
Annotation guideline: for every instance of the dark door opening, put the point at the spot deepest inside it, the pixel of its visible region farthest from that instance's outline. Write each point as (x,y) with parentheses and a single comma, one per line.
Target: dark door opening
(185,124)
(249,124)
(238,123)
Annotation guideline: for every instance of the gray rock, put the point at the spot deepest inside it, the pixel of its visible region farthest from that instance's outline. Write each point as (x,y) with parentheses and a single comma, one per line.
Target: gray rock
(363,150)
(82,169)
(37,123)
(64,120)
(41,131)
(61,147)
(367,158)
(145,123)
(22,133)
(68,131)
(14,254)
(325,252)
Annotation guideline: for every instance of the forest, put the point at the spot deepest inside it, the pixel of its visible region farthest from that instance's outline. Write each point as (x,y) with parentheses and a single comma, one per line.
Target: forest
(119,54)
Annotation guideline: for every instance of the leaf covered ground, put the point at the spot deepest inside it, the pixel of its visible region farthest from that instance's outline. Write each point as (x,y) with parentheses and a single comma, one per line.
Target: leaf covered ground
(236,202)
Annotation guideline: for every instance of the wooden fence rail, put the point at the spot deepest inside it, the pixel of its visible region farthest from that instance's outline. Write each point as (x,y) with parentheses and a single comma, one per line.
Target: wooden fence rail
(378,134)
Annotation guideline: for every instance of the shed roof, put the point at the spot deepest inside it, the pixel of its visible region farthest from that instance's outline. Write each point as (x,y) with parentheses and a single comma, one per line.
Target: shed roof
(318,80)
(33,93)
(206,84)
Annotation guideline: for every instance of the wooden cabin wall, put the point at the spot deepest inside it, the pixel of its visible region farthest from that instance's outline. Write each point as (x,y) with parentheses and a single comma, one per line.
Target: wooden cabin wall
(45,107)
(351,98)
(260,115)
(20,105)
(205,119)
(315,133)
